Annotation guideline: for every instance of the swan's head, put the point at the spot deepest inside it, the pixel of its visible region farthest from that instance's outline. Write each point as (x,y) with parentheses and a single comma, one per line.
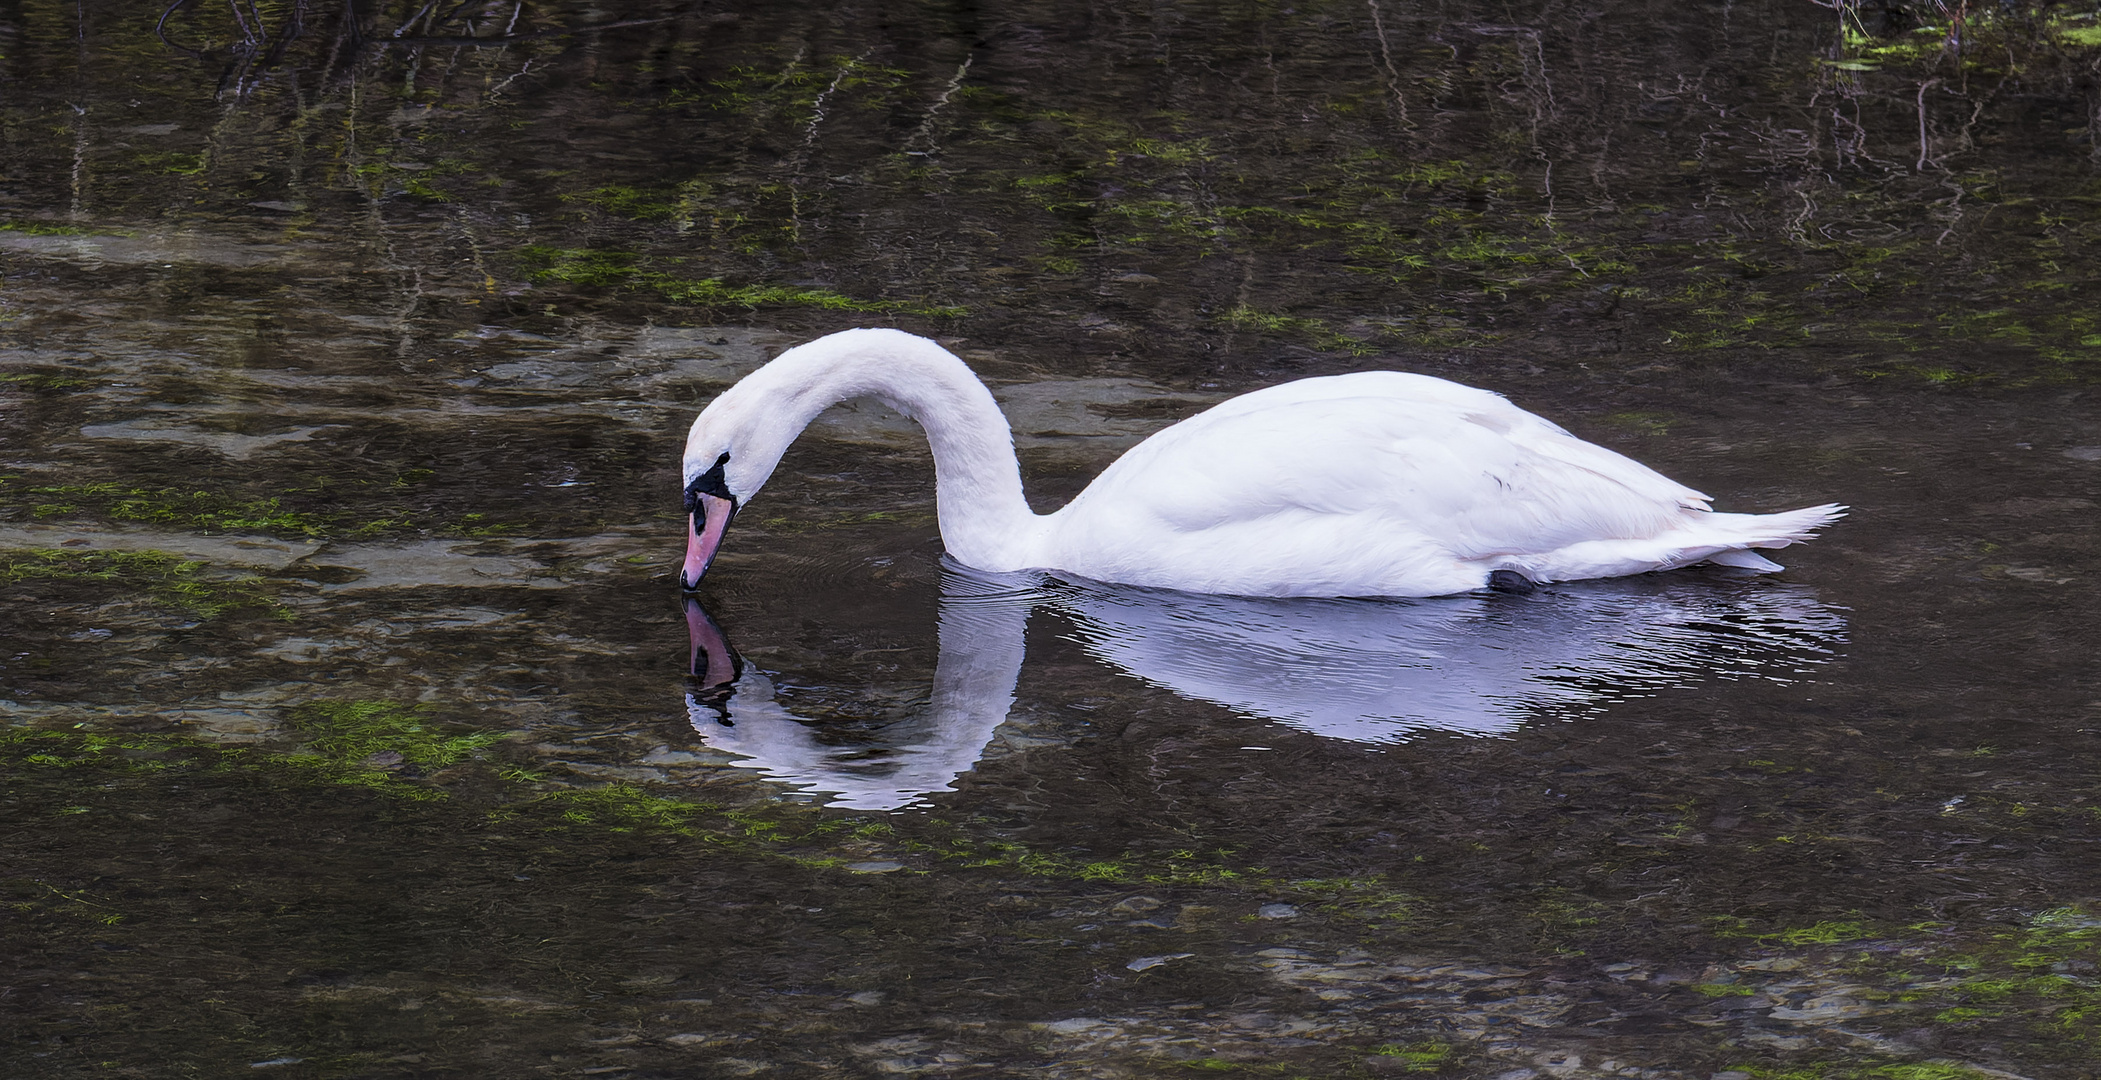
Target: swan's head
(709,507)
(730,452)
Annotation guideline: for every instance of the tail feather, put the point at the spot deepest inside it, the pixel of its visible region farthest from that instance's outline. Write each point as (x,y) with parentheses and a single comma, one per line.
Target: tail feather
(1742,532)
(1705,537)
(1787,527)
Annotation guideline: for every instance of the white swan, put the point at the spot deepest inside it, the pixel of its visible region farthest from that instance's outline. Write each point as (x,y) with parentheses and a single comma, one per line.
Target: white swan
(1378,483)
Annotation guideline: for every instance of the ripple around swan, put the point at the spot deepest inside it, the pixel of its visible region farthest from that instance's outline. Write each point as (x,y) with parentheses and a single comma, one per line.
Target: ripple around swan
(1366,671)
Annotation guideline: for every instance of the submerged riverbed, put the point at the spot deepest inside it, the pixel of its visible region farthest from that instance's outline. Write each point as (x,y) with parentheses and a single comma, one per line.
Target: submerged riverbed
(355,726)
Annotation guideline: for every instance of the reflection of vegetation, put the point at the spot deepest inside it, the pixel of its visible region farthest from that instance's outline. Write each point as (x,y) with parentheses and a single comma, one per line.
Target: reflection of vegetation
(412,178)
(711,292)
(630,203)
(1351,241)
(1963,33)
(221,512)
(1348,235)
(617,269)
(168,579)
(43,228)
(175,164)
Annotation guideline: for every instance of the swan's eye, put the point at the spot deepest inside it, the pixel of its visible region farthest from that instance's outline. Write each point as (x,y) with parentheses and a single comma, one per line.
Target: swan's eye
(708,483)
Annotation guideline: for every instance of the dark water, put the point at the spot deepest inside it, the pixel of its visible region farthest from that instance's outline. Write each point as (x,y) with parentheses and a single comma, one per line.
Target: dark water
(343,374)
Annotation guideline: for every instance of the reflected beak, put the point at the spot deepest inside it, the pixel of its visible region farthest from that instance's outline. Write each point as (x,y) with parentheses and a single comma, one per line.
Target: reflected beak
(714,666)
(711,660)
(710,519)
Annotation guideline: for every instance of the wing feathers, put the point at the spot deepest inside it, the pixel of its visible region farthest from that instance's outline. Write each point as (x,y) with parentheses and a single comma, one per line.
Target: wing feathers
(1385,468)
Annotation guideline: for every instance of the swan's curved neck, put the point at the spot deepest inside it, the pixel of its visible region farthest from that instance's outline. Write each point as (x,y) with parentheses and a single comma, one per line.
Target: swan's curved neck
(985,521)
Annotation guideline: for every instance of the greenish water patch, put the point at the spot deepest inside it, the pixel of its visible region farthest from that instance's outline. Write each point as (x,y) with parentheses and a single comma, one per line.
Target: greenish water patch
(292,513)
(44,228)
(173,163)
(202,511)
(1827,932)
(1425,1056)
(348,732)
(1990,39)
(44,381)
(367,743)
(1912,1070)
(168,579)
(609,269)
(121,751)
(637,204)
(2038,981)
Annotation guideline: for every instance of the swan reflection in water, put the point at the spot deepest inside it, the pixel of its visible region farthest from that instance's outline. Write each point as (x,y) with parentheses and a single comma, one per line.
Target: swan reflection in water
(1369,671)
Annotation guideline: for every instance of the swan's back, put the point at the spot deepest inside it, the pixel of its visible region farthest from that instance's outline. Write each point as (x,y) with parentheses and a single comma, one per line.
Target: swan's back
(1371,483)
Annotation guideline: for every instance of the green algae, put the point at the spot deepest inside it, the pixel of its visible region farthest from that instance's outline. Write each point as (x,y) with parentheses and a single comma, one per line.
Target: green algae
(714,293)
(129,752)
(612,269)
(43,228)
(634,204)
(172,163)
(619,807)
(37,380)
(2007,978)
(211,512)
(348,732)
(168,579)
(2034,979)
(349,743)
(1428,1055)
(1828,932)
(201,511)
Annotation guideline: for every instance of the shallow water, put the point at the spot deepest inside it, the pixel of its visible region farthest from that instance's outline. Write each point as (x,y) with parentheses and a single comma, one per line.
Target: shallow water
(356,727)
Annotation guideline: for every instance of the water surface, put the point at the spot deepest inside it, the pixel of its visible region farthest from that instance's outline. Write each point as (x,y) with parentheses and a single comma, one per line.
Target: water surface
(354,721)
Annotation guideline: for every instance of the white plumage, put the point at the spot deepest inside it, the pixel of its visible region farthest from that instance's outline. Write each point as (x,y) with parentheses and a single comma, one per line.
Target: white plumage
(1372,484)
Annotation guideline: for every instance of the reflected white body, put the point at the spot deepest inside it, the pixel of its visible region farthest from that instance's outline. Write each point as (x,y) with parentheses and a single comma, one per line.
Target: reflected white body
(981,628)
(1372,484)
(1372,671)
(1367,671)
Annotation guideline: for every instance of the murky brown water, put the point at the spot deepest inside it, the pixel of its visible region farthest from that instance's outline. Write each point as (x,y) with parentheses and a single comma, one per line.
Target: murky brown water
(349,729)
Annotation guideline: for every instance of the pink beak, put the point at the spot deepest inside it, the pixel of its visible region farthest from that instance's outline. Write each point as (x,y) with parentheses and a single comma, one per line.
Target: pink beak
(703,535)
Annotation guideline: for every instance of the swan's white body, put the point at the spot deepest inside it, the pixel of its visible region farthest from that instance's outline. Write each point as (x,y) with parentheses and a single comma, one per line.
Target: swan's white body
(1373,484)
